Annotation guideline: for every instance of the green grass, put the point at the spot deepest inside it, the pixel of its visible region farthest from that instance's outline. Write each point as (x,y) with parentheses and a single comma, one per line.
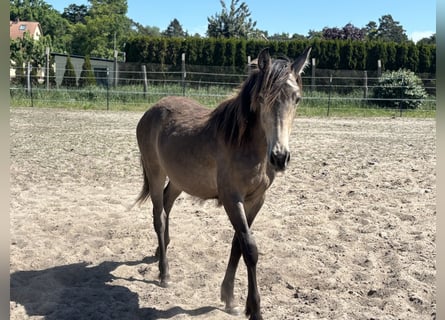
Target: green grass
(132,98)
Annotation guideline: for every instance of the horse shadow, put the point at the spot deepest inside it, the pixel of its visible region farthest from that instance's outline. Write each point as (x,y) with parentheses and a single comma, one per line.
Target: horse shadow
(81,291)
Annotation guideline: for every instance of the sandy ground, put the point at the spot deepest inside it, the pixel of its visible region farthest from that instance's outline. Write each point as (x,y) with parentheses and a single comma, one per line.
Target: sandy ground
(347,232)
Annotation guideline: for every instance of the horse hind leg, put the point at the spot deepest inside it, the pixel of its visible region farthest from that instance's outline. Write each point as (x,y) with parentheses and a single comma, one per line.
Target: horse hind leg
(157,181)
(171,193)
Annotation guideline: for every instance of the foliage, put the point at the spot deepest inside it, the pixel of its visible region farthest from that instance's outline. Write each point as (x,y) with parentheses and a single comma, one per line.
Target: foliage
(387,30)
(348,32)
(402,84)
(69,77)
(174,29)
(233,23)
(330,54)
(27,50)
(52,74)
(87,75)
(105,29)
(429,40)
(75,13)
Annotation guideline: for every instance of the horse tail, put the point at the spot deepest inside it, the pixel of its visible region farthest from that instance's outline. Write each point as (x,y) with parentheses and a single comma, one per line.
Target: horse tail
(145,192)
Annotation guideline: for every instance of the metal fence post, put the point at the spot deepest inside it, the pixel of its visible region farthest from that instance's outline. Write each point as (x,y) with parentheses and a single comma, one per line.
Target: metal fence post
(329,94)
(115,67)
(365,88)
(144,75)
(108,89)
(29,83)
(379,68)
(47,68)
(184,74)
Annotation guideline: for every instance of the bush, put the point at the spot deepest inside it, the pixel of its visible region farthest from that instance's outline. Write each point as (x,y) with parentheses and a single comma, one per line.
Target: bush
(69,77)
(87,75)
(400,89)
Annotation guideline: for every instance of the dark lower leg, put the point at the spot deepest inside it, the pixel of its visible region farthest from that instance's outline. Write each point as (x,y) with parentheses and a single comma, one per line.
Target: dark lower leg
(229,278)
(250,255)
(159,221)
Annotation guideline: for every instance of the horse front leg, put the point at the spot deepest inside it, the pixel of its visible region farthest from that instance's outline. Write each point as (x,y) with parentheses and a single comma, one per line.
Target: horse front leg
(227,286)
(228,283)
(247,247)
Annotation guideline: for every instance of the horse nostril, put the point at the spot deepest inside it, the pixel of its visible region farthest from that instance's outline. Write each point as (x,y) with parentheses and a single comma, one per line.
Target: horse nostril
(279,160)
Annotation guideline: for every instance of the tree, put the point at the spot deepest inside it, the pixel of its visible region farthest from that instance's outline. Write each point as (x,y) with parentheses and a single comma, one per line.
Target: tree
(106,29)
(371,30)
(429,40)
(348,32)
(69,76)
(313,35)
(86,75)
(390,30)
(52,74)
(139,29)
(27,50)
(174,29)
(233,23)
(75,13)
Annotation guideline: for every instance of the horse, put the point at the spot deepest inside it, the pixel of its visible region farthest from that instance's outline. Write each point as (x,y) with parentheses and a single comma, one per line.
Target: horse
(231,153)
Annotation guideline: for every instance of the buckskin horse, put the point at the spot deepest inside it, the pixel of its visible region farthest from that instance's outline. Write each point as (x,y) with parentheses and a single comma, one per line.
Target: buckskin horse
(231,154)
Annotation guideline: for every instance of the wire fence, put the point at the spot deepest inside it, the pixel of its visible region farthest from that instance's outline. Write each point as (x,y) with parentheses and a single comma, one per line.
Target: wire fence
(136,87)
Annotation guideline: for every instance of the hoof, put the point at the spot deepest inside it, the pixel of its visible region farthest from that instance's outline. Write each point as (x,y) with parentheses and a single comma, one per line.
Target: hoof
(233,311)
(164,282)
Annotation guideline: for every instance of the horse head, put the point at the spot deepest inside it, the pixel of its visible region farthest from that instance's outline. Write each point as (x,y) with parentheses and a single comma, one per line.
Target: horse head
(279,95)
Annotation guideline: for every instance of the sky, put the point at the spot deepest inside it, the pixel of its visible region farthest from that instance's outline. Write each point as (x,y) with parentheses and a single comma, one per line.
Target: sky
(418,18)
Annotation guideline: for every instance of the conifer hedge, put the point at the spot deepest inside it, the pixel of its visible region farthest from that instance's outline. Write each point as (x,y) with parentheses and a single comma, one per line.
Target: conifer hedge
(329,54)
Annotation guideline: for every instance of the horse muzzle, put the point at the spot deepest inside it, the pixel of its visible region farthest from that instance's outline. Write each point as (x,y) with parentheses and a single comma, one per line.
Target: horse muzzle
(279,160)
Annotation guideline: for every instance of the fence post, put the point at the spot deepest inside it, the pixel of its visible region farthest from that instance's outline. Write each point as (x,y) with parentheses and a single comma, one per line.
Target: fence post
(184,74)
(115,69)
(144,74)
(402,95)
(379,68)
(108,89)
(29,82)
(365,88)
(329,94)
(47,68)
(313,75)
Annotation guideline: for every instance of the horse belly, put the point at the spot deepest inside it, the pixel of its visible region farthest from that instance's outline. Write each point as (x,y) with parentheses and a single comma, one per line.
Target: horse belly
(190,166)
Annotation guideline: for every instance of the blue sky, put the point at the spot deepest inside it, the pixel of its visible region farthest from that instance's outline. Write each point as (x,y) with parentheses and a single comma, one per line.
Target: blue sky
(417,17)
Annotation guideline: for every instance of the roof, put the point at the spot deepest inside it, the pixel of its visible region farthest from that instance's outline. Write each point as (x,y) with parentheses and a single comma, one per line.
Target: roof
(17,28)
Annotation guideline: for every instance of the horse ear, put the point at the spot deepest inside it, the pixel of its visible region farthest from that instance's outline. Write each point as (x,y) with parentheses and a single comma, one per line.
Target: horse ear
(264,59)
(302,61)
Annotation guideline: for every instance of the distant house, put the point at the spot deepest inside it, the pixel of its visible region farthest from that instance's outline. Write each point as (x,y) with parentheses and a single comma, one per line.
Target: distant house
(18,28)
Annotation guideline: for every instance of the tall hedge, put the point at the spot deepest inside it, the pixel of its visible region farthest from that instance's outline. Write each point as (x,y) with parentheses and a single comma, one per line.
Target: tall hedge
(69,77)
(330,54)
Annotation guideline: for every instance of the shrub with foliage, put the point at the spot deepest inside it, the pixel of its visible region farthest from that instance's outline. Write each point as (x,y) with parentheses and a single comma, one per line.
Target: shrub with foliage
(69,77)
(87,75)
(400,89)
